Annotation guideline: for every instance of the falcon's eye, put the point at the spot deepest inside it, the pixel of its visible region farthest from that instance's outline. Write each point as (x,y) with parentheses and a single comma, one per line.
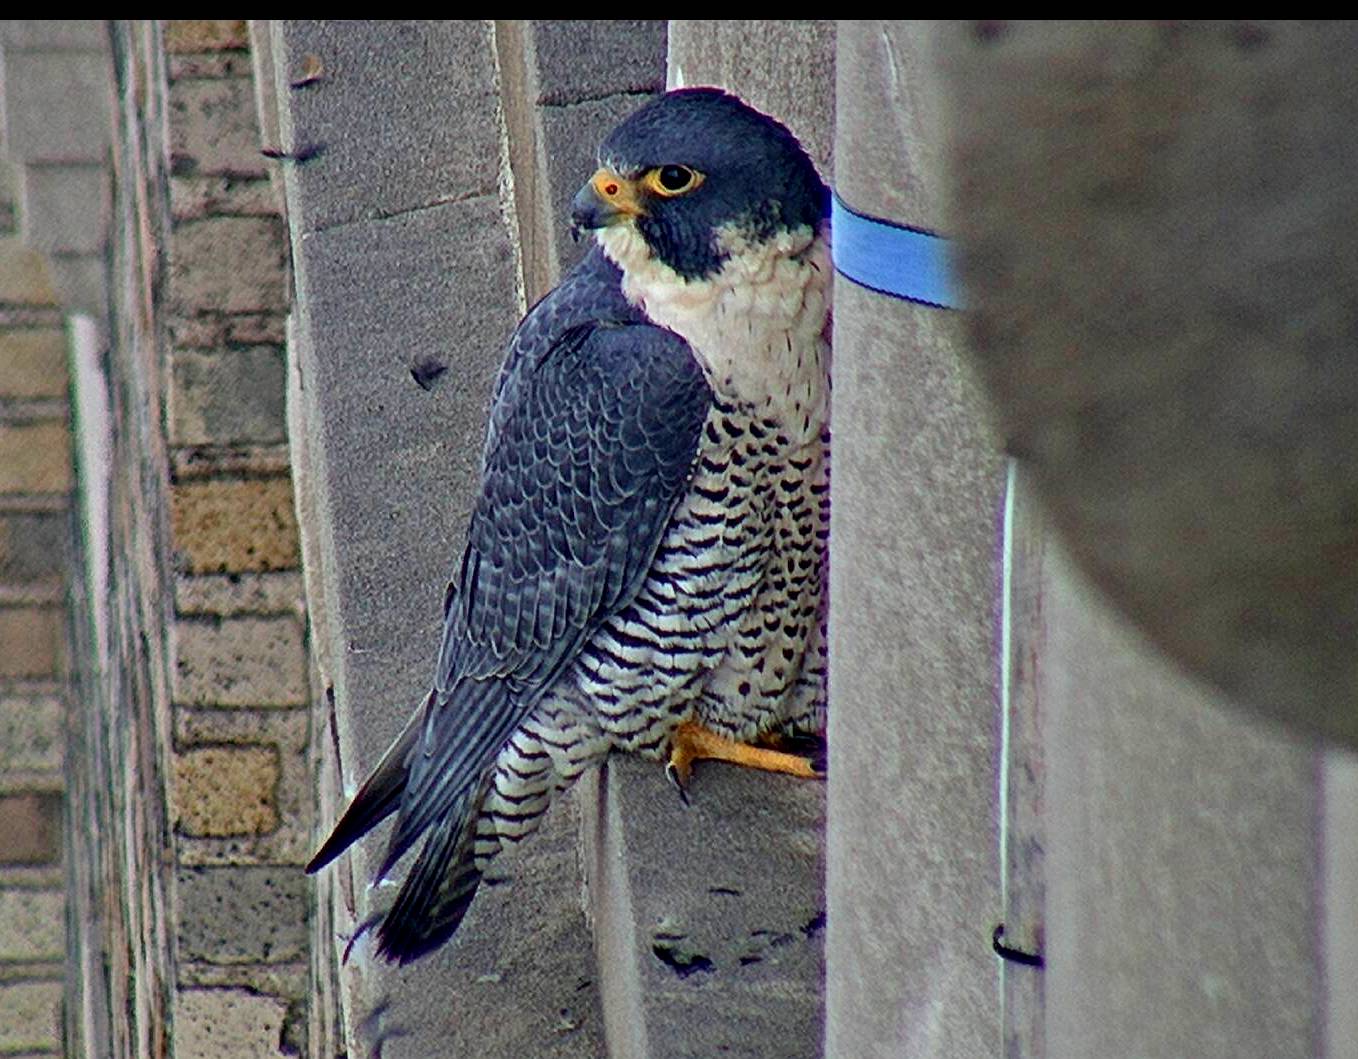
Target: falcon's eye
(670,180)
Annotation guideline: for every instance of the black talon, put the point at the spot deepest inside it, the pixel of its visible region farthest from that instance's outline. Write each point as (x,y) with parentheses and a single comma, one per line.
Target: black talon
(672,774)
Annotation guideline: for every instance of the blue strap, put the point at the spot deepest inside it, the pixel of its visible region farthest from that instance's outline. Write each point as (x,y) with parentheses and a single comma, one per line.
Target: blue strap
(892,259)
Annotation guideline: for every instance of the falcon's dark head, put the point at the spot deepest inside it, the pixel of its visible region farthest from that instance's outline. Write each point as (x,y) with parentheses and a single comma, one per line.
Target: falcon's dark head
(695,168)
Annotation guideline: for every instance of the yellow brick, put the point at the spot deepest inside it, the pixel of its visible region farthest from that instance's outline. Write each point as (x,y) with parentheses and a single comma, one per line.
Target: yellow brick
(30,641)
(32,925)
(30,1016)
(33,362)
(222,791)
(35,458)
(205,34)
(235,526)
(24,278)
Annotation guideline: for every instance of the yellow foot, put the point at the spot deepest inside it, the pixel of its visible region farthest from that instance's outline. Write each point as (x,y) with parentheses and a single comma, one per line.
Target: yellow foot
(692,742)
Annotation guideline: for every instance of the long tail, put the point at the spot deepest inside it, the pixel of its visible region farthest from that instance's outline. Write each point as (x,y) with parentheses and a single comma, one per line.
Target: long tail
(541,757)
(377,799)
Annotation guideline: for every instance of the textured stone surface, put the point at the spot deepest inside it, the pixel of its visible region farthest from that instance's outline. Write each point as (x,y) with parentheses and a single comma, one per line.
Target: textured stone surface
(31,641)
(241,914)
(33,547)
(198,35)
(25,278)
(1166,329)
(205,270)
(34,362)
(913,873)
(57,106)
(435,138)
(384,297)
(213,130)
(234,525)
(709,918)
(30,828)
(35,458)
(518,979)
(223,791)
(213,1023)
(32,733)
(48,34)
(276,593)
(30,1017)
(277,743)
(32,925)
(1161,802)
(64,209)
(200,196)
(231,397)
(578,59)
(785,68)
(252,661)
(81,283)
(208,329)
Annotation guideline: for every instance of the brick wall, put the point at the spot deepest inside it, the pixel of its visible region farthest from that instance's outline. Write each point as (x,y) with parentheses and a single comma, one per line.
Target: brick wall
(240,806)
(185,762)
(35,499)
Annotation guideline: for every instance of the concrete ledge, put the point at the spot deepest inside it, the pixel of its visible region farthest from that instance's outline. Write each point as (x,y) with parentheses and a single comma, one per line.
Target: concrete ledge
(709,919)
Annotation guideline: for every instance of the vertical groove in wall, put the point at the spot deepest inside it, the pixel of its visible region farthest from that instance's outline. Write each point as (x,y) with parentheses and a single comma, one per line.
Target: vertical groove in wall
(522,197)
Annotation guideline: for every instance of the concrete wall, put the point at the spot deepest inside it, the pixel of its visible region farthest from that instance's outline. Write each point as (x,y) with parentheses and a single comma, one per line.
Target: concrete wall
(1153,224)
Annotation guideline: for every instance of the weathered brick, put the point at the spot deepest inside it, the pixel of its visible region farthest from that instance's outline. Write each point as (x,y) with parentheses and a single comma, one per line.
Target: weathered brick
(221,791)
(192,197)
(210,1023)
(33,362)
(30,828)
(228,264)
(282,732)
(242,914)
(235,526)
(35,458)
(24,276)
(256,329)
(190,463)
(32,925)
(202,330)
(32,734)
(277,593)
(213,128)
(31,640)
(227,398)
(239,662)
(205,34)
(209,64)
(33,547)
(30,1017)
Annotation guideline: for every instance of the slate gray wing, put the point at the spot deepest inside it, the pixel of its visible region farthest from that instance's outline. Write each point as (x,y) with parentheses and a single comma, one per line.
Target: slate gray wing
(580,481)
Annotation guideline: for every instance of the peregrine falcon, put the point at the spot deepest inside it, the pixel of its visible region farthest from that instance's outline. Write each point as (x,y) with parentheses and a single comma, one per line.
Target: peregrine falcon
(645,567)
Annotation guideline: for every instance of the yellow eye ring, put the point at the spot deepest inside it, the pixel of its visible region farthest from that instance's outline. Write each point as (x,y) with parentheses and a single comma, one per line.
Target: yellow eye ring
(668,181)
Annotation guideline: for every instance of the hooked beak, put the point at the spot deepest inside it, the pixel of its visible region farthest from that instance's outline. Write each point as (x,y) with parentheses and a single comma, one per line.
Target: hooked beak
(605,199)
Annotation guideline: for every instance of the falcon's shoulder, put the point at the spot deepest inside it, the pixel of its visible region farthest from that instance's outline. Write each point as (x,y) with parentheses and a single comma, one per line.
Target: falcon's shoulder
(592,437)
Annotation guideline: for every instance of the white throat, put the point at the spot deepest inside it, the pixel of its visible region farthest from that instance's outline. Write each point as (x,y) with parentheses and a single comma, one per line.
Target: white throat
(757,326)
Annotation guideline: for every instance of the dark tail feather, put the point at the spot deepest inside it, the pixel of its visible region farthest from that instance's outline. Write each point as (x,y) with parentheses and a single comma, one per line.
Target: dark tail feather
(377,799)
(440,887)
